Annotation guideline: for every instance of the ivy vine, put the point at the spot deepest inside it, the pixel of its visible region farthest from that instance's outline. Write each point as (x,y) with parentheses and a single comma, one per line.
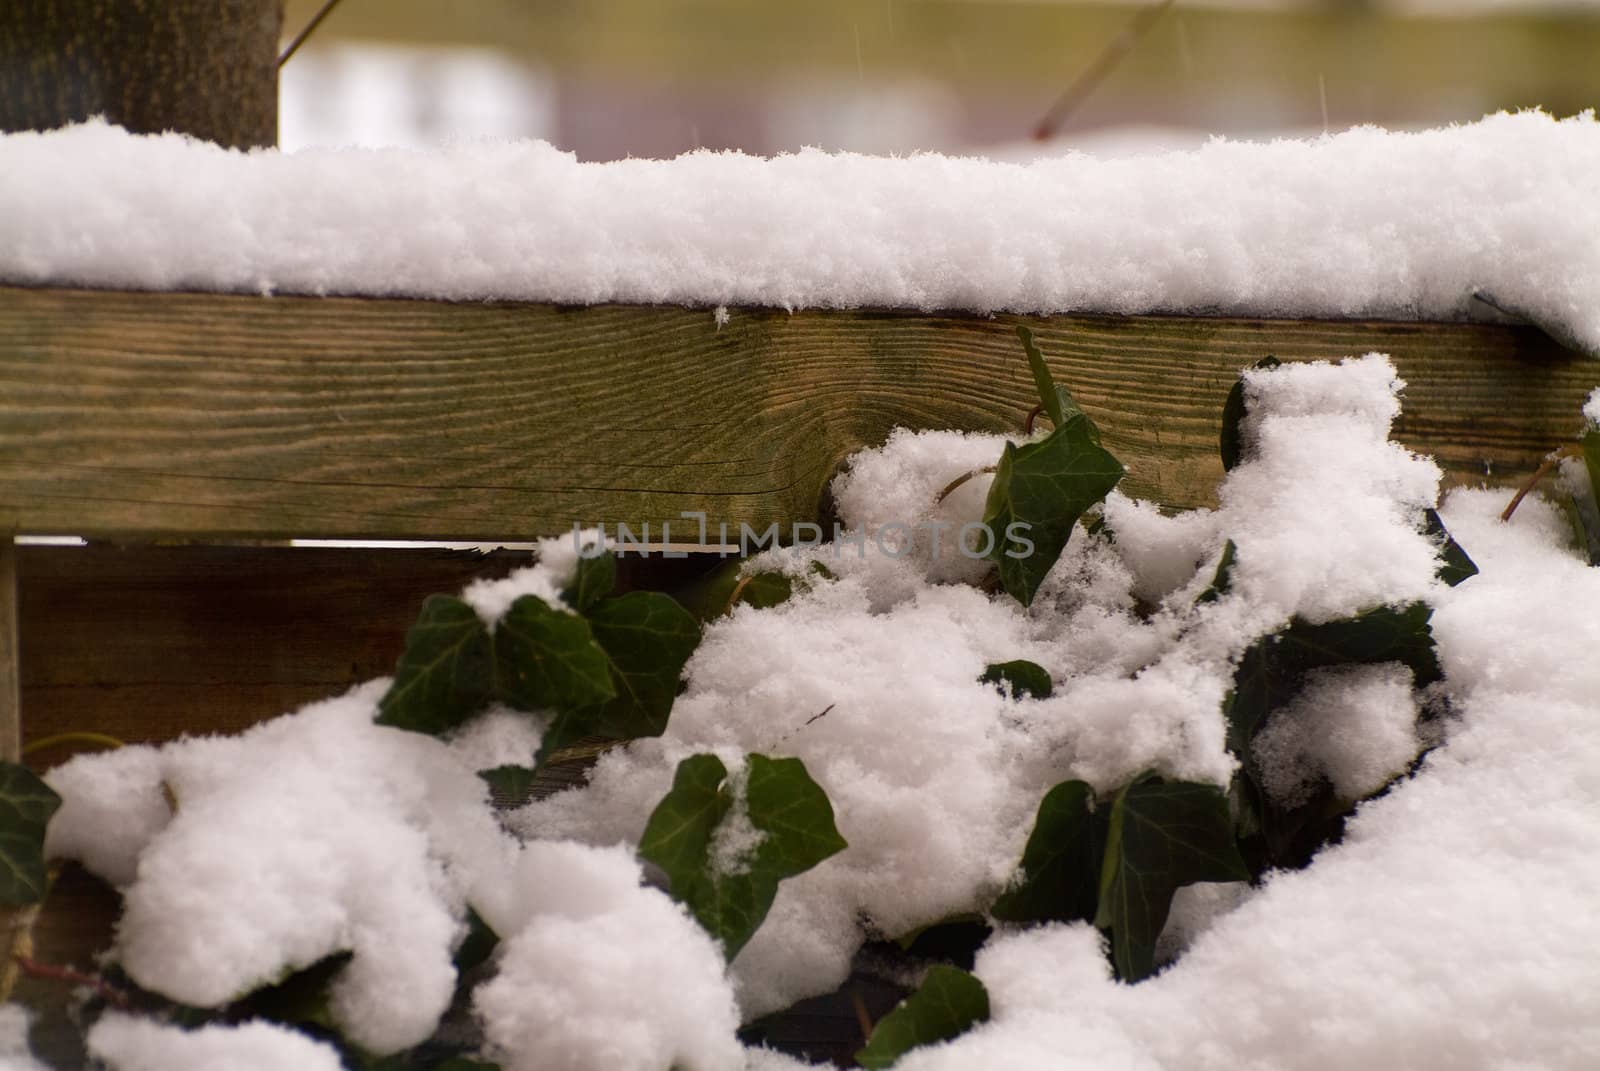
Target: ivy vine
(599,665)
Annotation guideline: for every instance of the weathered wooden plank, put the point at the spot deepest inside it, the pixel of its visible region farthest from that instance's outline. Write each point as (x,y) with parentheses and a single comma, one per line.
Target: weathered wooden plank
(146,643)
(149,415)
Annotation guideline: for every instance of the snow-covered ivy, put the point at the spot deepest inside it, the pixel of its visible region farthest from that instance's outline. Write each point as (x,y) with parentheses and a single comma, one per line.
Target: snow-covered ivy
(1192,784)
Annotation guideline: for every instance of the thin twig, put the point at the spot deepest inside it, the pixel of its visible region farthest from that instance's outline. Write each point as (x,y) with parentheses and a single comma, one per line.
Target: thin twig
(950,487)
(1550,461)
(786,737)
(54,972)
(1097,72)
(311,28)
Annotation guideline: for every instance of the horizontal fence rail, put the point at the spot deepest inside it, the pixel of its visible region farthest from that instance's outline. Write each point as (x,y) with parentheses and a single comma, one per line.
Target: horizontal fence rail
(173,415)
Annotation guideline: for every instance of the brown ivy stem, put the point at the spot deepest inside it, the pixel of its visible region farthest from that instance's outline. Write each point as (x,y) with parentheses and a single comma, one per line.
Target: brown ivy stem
(733,597)
(862,1018)
(1550,461)
(57,973)
(1027,421)
(950,487)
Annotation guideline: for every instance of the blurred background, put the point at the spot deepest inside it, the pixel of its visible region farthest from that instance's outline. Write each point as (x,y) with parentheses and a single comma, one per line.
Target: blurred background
(608,79)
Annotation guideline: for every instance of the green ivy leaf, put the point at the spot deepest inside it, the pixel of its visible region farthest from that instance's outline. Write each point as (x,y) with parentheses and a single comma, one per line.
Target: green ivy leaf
(1055,402)
(546,658)
(678,839)
(1383,634)
(1589,520)
(1045,486)
(26,804)
(478,945)
(1260,686)
(1271,673)
(301,998)
(766,590)
(1233,412)
(565,729)
(1591,459)
(511,786)
(781,801)
(947,1004)
(712,595)
(444,675)
(954,940)
(592,580)
(1454,565)
(1162,835)
(1223,576)
(1061,863)
(1274,836)
(647,639)
(1025,678)
(678,836)
(1273,669)
(429,1056)
(794,813)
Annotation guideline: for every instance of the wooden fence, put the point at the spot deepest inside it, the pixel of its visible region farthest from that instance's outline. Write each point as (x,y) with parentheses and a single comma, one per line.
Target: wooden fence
(136,419)
(187,436)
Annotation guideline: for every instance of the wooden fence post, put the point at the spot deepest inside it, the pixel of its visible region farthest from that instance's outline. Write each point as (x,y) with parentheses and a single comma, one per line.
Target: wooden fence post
(202,67)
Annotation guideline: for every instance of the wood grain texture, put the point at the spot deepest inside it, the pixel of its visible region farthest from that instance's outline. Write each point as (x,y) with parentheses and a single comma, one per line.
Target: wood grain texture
(146,643)
(149,415)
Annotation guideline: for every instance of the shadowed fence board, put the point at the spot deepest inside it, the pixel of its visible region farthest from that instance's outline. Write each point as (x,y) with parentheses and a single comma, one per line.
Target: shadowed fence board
(146,643)
(148,415)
